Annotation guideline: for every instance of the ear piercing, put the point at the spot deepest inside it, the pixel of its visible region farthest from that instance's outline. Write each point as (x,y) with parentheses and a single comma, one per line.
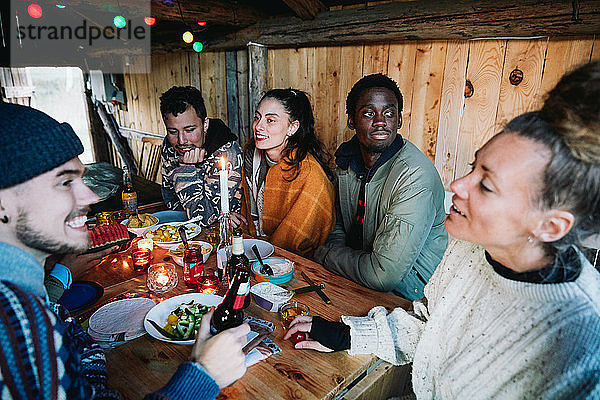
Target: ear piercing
(4,219)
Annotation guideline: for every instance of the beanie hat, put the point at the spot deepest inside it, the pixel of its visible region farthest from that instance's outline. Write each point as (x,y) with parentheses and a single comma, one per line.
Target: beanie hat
(32,143)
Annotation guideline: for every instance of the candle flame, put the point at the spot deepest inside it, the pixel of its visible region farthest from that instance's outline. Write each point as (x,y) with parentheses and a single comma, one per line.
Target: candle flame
(125,264)
(223,162)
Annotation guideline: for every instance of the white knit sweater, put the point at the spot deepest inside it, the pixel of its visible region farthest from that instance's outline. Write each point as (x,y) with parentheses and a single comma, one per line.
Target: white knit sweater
(477,335)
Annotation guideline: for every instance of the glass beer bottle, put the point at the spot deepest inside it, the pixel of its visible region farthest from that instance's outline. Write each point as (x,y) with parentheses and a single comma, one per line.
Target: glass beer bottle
(230,313)
(237,257)
(129,195)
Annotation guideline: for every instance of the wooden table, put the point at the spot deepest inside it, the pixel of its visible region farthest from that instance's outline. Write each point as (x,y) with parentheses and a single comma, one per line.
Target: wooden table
(146,364)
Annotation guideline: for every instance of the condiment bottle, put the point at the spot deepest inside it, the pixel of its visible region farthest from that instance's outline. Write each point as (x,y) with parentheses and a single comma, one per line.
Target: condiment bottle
(193,265)
(230,313)
(129,195)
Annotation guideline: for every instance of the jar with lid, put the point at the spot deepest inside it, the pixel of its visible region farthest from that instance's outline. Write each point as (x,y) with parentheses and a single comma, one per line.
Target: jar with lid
(193,265)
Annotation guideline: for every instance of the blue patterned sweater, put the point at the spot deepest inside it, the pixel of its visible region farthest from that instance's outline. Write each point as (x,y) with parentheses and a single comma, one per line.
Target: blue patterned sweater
(46,354)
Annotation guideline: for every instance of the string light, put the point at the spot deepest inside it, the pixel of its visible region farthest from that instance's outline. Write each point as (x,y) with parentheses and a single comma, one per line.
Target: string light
(60,6)
(120,21)
(34,10)
(197,46)
(149,20)
(201,23)
(188,37)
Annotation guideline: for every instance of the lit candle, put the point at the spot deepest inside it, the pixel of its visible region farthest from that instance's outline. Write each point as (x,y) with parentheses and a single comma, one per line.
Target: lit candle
(209,284)
(141,259)
(145,243)
(223,180)
(162,278)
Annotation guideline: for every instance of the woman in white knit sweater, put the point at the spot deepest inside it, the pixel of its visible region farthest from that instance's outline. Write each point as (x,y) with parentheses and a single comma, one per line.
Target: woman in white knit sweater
(516,315)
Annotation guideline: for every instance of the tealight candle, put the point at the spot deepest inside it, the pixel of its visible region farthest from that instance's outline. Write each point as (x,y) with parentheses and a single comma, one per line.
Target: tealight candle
(145,243)
(208,283)
(162,277)
(223,180)
(141,259)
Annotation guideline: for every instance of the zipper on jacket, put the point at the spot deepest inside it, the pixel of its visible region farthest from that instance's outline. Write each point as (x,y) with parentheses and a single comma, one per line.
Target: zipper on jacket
(420,277)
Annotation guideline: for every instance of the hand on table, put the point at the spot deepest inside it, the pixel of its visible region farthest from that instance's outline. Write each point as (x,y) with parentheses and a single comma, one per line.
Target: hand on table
(221,355)
(237,219)
(193,156)
(303,323)
(81,263)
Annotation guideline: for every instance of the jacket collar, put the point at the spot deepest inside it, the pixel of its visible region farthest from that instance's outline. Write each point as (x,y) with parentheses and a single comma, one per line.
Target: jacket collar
(348,155)
(21,269)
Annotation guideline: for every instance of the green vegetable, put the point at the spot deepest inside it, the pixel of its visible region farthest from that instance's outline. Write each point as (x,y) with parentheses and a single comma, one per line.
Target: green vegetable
(189,316)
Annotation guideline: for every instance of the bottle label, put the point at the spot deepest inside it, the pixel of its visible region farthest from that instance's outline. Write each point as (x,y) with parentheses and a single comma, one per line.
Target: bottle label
(237,246)
(243,291)
(129,201)
(192,272)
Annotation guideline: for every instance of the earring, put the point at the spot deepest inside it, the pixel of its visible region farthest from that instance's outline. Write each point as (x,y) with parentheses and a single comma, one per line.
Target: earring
(4,219)
(529,239)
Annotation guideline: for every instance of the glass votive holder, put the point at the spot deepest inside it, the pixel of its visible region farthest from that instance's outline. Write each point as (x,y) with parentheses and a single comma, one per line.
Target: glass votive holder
(141,259)
(208,283)
(145,243)
(162,277)
(291,310)
(104,218)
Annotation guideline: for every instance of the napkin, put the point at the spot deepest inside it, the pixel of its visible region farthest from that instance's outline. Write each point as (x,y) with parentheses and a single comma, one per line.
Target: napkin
(120,320)
(267,347)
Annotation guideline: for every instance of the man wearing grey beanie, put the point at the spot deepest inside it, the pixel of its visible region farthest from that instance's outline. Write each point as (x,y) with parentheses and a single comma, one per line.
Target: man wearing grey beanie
(43,208)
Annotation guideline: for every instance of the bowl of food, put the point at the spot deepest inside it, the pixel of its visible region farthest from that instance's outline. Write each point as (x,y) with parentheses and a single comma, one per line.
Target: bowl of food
(139,224)
(283,270)
(166,235)
(176,251)
(270,296)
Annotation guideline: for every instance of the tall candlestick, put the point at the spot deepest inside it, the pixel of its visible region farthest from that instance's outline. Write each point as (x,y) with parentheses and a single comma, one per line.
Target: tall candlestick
(223,180)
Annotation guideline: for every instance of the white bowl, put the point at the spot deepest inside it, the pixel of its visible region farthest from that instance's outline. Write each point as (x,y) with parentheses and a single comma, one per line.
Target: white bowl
(192,231)
(179,259)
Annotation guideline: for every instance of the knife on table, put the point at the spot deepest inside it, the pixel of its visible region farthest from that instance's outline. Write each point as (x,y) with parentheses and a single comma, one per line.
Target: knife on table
(319,291)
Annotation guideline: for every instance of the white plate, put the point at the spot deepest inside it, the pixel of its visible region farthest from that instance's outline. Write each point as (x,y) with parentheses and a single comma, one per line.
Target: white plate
(161,311)
(108,322)
(163,218)
(191,229)
(179,260)
(264,248)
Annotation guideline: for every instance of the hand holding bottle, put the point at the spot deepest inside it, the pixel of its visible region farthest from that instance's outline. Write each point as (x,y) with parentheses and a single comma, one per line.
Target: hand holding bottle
(221,355)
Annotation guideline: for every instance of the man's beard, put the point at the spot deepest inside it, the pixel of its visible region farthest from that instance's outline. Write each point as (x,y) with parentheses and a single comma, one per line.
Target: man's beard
(29,235)
(375,148)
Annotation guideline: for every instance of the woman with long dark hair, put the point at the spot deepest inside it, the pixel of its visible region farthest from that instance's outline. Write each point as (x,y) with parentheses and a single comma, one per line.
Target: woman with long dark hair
(288,197)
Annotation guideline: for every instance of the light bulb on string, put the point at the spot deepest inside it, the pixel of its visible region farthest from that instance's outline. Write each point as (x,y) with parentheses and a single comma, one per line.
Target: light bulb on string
(188,37)
(61,6)
(34,10)
(149,20)
(120,21)
(201,23)
(197,46)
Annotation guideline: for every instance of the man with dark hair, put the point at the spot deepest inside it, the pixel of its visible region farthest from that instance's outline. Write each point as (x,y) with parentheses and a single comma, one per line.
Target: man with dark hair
(191,153)
(45,353)
(389,234)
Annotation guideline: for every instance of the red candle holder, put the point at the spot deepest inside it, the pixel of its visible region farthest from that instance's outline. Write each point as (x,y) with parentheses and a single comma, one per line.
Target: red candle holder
(141,259)
(208,283)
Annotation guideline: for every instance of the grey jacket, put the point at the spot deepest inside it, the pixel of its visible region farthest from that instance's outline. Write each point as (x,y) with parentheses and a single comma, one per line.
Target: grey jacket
(404,237)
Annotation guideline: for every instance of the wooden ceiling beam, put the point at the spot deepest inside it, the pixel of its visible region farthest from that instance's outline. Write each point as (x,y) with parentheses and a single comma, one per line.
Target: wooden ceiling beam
(424,20)
(306,9)
(212,11)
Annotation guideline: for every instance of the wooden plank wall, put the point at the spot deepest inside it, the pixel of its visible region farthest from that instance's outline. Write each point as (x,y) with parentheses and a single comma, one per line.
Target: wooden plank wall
(437,117)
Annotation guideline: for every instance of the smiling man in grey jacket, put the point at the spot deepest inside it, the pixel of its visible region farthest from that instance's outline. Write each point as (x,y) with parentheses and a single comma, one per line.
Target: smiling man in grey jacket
(390,233)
